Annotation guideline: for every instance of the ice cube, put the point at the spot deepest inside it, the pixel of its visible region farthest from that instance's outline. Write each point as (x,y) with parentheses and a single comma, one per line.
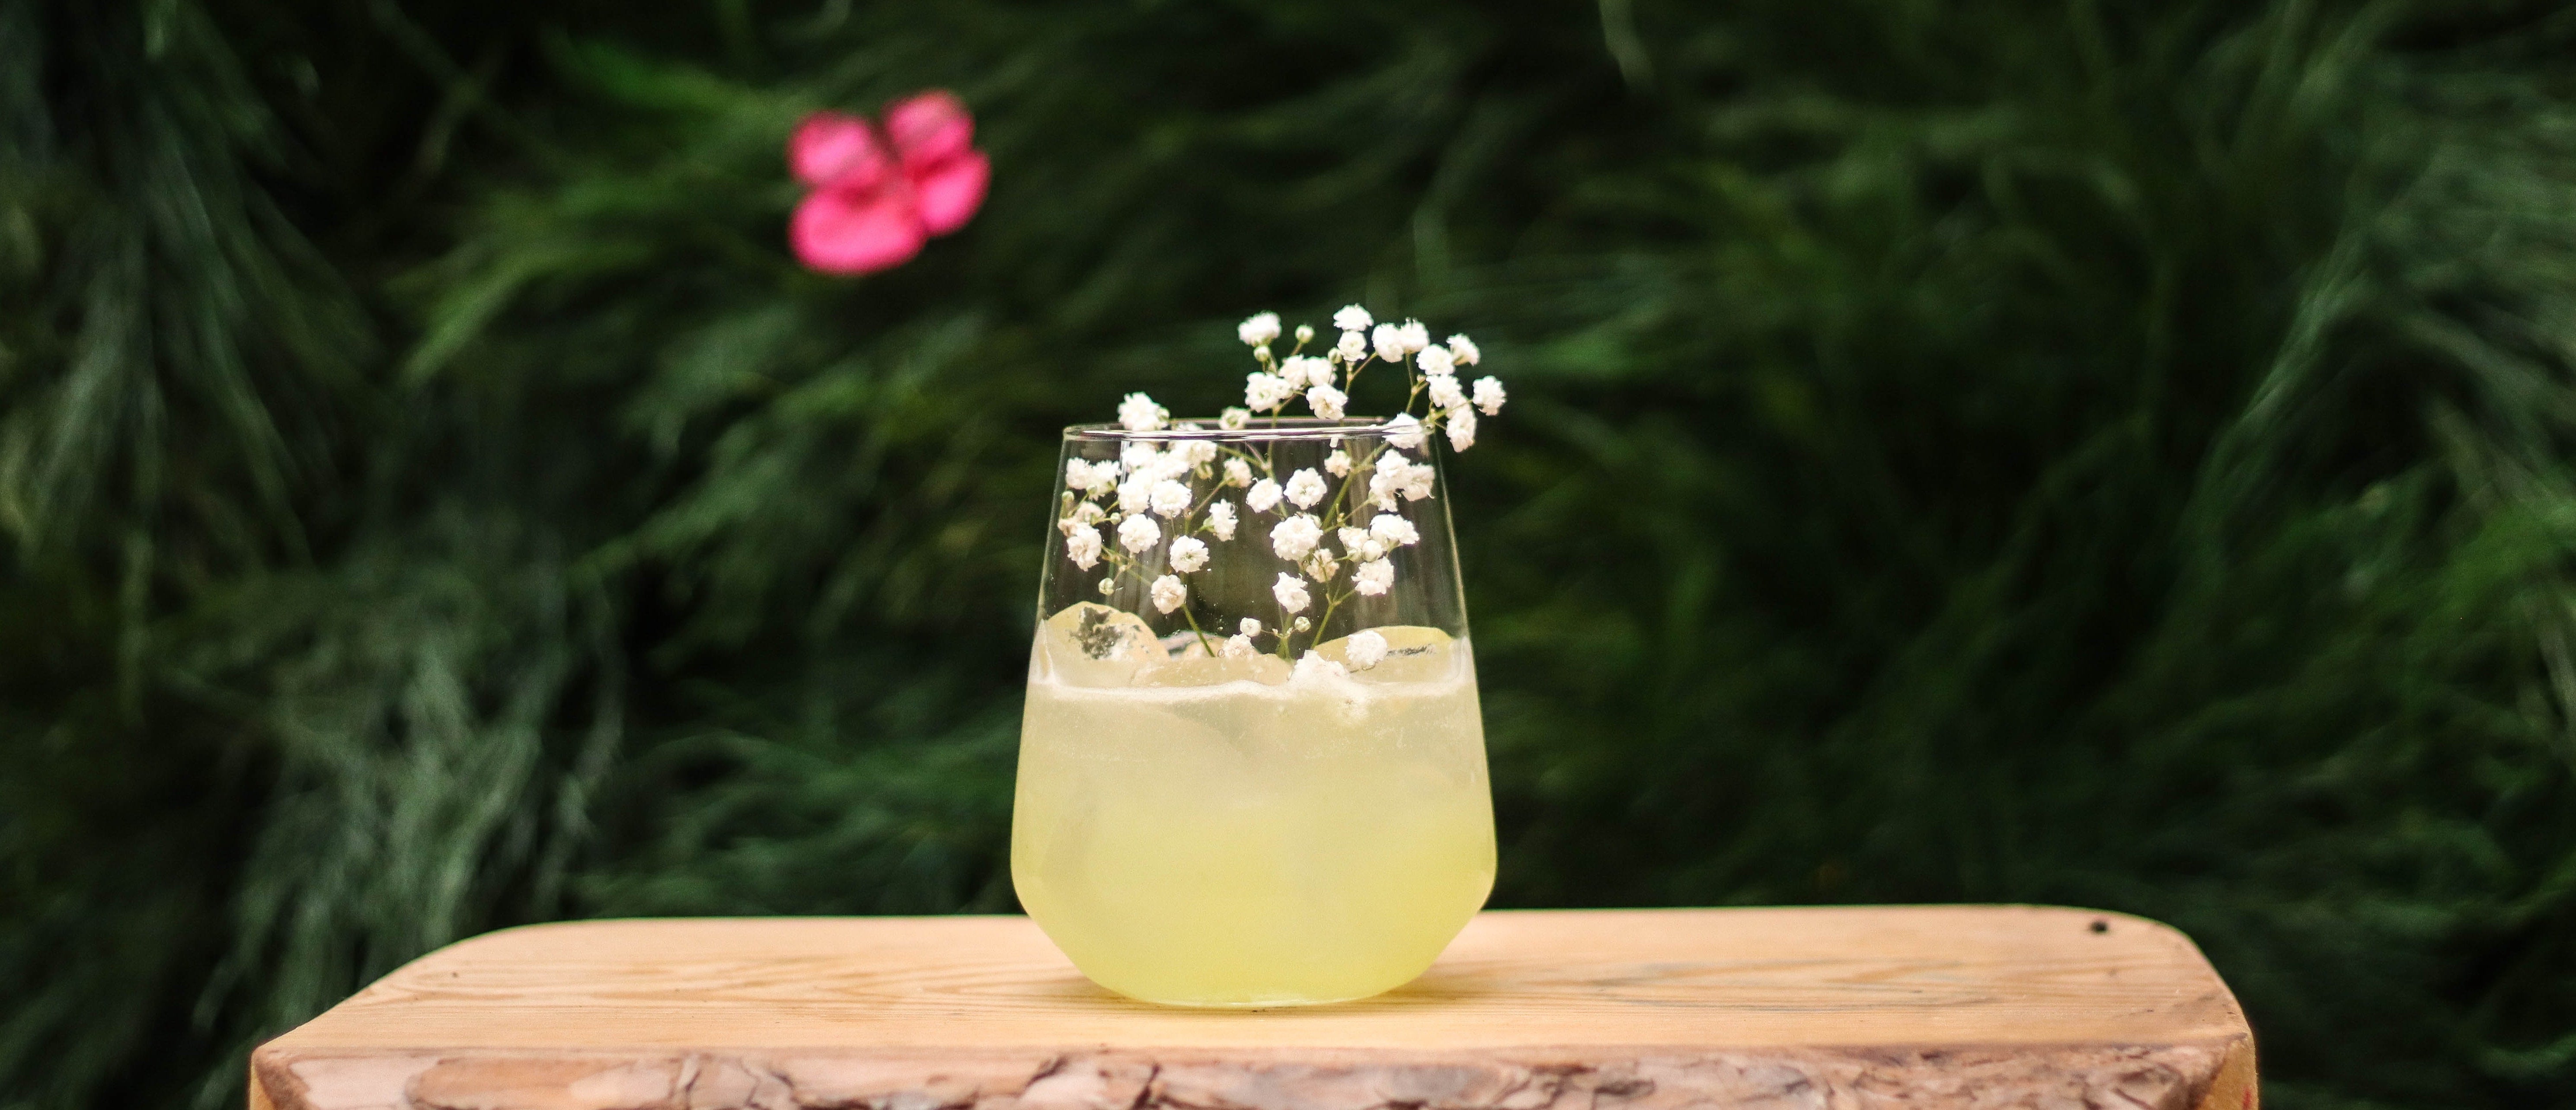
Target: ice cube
(1089,644)
(1413,654)
(1201,670)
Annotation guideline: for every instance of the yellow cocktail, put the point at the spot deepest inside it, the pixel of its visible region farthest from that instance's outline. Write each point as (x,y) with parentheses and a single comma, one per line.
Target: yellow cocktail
(1248,837)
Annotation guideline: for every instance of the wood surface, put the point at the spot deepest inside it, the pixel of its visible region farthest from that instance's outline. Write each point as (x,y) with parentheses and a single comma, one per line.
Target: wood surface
(1830,1008)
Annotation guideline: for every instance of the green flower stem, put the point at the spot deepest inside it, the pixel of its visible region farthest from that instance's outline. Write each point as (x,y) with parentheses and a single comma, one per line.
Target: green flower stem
(1193,618)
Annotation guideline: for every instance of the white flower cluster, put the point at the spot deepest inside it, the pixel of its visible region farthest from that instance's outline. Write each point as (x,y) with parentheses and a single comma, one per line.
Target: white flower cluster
(1325,381)
(1160,496)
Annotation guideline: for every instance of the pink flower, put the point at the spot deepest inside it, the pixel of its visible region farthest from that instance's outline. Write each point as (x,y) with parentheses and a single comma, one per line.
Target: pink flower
(871,210)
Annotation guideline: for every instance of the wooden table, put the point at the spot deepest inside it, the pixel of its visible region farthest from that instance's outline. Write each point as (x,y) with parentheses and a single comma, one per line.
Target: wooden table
(1966,1006)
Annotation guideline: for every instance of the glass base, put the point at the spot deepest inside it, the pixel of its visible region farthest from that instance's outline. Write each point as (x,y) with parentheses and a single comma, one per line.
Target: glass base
(1261,1004)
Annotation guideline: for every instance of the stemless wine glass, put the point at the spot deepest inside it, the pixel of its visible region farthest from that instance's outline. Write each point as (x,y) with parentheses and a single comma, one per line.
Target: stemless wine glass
(1252,770)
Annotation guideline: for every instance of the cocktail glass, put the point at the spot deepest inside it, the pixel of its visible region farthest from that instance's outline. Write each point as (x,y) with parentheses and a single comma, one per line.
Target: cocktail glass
(1292,810)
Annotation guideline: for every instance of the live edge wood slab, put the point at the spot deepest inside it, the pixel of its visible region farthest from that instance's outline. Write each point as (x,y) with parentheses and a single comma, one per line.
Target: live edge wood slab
(1836,1009)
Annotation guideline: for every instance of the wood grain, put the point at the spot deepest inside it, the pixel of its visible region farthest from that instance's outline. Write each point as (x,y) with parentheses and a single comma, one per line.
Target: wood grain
(1557,1010)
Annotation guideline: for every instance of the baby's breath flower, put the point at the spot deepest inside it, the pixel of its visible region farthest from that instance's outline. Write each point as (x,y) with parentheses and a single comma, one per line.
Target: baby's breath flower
(1077,474)
(1444,391)
(1168,593)
(1464,350)
(1351,538)
(1260,329)
(1315,668)
(1197,452)
(1365,650)
(1338,464)
(1369,549)
(1238,472)
(1322,565)
(1417,481)
(1393,530)
(1170,499)
(1414,336)
(1262,497)
(1234,420)
(1353,347)
(1082,545)
(1264,392)
(1237,647)
(1389,341)
(1326,401)
(1306,370)
(1248,626)
(1139,532)
(1399,477)
(1435,360)
(1134,455)
(1135,494)
(1489,394)
(1189,554)
(1305,333)
(1404,431)
(1462,429)
(1352,318)
(1140,414)
(1374,577)
(1221,519)
(1290,590)
(1292,539)
(1305,487)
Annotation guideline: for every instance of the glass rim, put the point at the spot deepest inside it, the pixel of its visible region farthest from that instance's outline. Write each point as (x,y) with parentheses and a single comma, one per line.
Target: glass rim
(1265,429)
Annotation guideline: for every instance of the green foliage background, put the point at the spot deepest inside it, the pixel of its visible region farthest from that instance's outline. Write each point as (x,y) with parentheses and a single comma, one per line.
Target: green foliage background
(2086,451)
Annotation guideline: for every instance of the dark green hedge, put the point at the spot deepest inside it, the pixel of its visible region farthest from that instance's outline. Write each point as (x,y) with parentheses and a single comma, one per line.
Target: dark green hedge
(2086,451)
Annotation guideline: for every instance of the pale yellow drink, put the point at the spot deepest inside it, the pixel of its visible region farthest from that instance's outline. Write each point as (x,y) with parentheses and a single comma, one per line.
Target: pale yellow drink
(1261,841)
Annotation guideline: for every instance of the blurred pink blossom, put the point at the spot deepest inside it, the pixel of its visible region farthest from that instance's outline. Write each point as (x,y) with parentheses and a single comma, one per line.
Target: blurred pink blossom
(870,211)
